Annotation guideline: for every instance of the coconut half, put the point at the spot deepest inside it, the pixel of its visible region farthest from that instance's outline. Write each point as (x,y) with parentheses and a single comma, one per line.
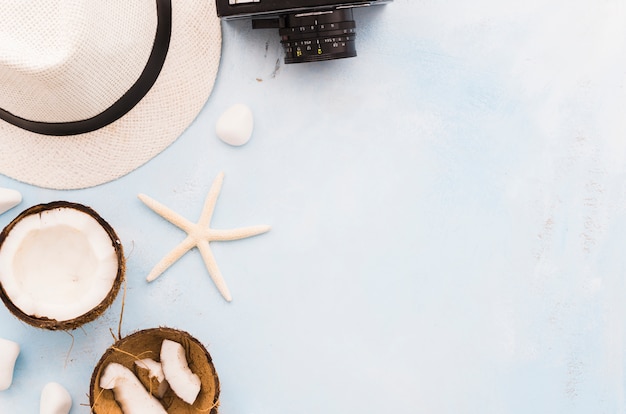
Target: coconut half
(61,265)
(147,344)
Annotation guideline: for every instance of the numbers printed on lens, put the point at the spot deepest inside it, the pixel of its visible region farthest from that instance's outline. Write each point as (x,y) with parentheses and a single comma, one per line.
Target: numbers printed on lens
(303,22)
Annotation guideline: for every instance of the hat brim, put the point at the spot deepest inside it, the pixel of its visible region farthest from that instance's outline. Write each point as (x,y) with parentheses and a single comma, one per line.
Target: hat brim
(181,90)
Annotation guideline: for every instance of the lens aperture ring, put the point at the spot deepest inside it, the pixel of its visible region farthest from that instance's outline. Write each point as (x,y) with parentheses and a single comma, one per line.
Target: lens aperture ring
(320,48)
(321,42)
(305,31)
(323,36)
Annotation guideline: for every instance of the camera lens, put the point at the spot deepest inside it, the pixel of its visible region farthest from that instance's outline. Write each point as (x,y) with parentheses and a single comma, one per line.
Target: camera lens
(316,36)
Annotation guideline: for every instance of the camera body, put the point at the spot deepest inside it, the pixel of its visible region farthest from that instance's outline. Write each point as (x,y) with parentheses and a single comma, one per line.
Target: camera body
(310,30)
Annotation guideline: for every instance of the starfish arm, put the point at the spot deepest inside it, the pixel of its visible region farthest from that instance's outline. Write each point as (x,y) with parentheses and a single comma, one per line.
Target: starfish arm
(163,211)
(170,258)
(214,271)
(211,199)
(236,234)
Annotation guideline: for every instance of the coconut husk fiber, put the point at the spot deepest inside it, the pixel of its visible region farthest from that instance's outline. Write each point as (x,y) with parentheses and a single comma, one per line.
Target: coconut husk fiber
(52,324)
(147,344)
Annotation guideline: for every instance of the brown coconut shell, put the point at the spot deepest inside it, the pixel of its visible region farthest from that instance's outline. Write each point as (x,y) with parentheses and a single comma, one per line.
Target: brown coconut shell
(147,344)
(52,324)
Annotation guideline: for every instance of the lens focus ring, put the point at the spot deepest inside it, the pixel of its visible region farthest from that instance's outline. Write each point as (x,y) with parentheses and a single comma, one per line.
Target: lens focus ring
(326,36)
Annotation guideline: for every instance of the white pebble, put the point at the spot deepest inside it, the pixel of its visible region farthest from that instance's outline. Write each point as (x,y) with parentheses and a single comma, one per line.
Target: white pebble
(9,351)
(9,199)
(235,125)
(55,399)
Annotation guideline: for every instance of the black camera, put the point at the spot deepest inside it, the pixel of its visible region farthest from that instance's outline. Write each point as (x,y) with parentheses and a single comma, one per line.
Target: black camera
(310,30)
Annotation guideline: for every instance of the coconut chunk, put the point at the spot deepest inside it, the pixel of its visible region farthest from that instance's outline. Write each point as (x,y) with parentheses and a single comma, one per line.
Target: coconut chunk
(151,375)
(183,382)
(128,390)
(59,262)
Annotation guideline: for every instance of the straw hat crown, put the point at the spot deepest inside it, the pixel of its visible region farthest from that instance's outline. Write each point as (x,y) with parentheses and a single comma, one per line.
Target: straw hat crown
(67,61)
(91,90)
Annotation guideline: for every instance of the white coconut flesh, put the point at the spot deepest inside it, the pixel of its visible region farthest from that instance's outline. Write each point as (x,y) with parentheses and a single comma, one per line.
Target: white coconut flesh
(58,264)
(181,379)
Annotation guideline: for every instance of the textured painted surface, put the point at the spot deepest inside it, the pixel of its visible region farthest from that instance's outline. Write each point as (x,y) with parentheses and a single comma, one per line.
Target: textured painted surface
(447,211)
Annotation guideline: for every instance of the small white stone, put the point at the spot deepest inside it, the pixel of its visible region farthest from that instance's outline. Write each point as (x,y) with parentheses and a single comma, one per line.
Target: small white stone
(235,125)
(9,199)
(55,399)
(9,351)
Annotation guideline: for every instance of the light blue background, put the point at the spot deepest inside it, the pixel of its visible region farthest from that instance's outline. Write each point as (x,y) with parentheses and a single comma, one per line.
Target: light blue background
(447,212)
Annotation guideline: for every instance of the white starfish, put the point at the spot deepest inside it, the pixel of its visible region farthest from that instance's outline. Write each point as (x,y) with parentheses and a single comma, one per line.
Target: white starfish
(199,235)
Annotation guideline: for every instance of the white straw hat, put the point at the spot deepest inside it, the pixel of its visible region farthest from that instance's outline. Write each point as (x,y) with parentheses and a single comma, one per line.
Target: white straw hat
(91,90)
